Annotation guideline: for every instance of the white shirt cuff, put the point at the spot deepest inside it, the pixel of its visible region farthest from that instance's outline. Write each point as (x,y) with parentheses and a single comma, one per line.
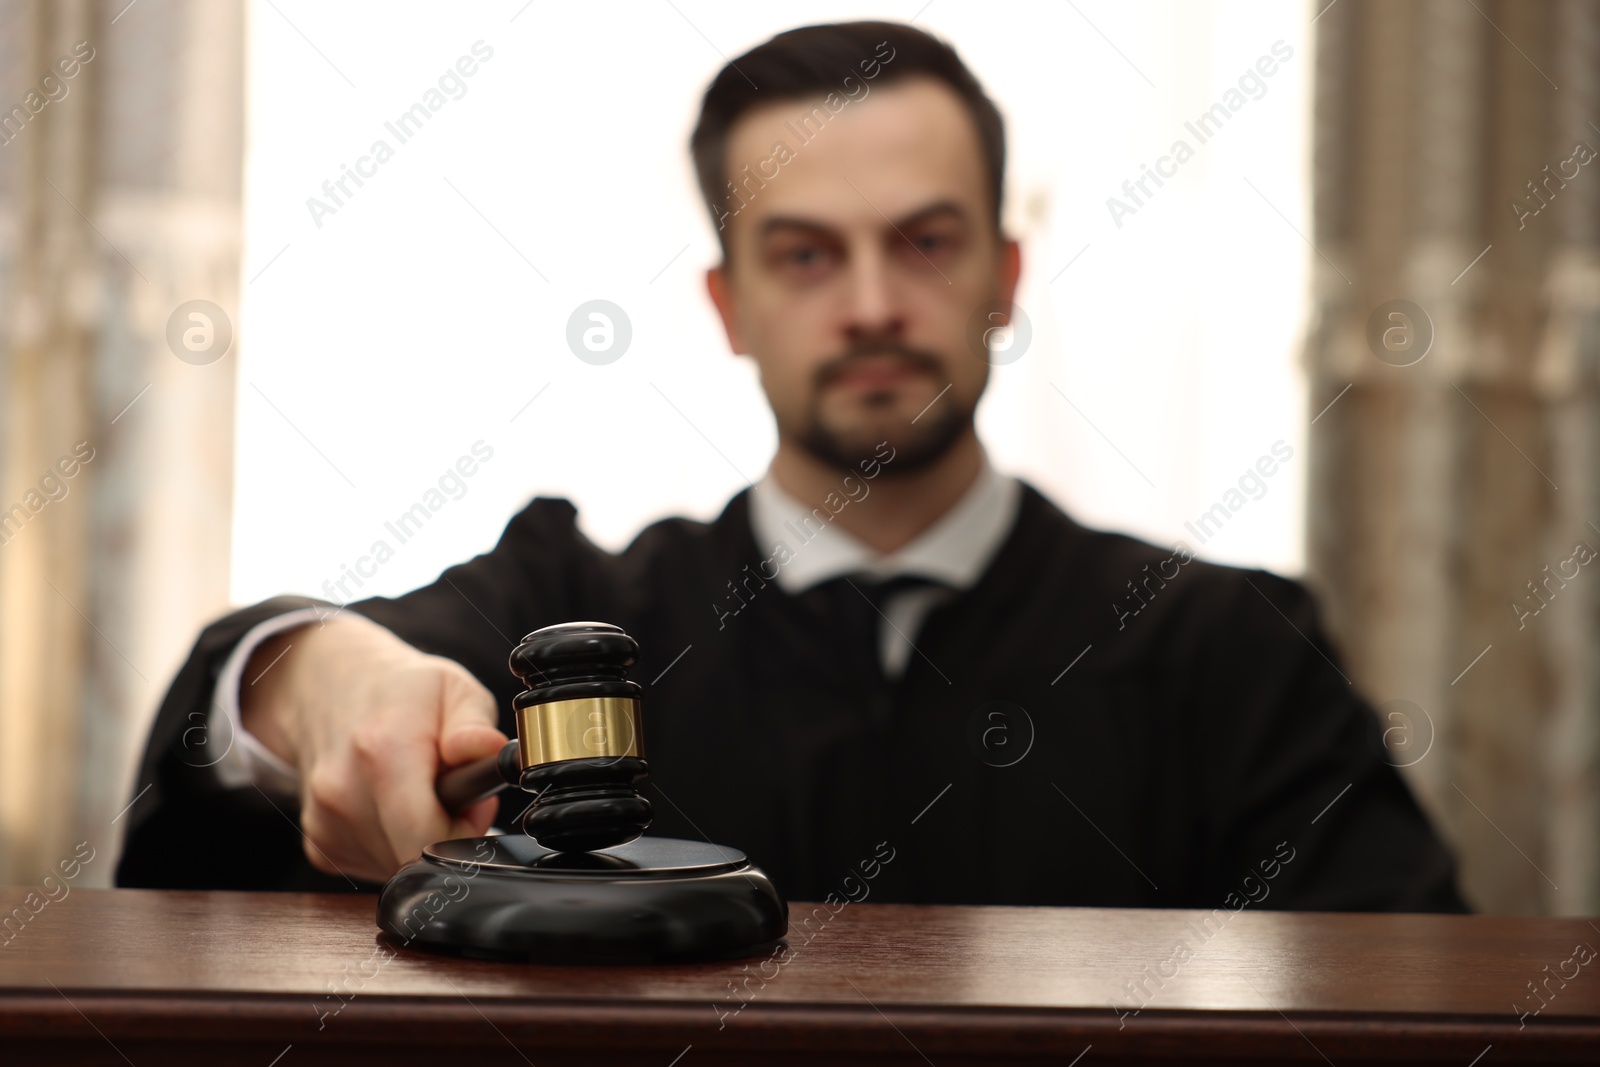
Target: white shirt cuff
(245,760)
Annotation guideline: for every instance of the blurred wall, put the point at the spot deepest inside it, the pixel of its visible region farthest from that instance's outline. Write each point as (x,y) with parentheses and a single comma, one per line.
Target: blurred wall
(120,160)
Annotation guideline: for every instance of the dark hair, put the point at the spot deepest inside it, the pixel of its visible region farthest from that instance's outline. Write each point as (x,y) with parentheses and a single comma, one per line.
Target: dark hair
(816,60)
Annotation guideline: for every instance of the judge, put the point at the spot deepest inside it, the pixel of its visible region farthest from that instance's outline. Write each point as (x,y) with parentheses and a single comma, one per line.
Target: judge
(884,647)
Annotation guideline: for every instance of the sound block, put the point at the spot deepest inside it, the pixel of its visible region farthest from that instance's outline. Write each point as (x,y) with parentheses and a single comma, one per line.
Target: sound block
(652,900)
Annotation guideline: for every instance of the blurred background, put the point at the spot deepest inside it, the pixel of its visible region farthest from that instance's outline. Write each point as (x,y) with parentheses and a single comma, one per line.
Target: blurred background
(237,337)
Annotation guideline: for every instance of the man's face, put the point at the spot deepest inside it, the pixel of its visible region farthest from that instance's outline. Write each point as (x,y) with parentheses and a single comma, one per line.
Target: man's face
(857,262)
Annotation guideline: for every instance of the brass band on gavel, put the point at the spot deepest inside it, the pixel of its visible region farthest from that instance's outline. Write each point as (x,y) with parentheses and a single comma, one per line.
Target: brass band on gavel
(581,728)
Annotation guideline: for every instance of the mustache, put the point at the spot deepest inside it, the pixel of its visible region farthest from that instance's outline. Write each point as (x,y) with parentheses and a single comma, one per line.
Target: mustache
(919,359)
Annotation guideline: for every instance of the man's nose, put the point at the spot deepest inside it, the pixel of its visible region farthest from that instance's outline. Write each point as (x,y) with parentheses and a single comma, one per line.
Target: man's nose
(875,309)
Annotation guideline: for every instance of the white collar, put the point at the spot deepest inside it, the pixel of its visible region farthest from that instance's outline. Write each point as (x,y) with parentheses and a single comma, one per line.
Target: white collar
(954,550)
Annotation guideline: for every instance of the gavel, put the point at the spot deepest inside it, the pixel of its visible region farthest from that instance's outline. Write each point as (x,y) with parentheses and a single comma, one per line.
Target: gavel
(582,883)
(579,747)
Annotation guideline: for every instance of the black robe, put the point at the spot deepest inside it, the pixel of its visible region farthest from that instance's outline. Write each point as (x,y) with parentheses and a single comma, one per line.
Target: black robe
(1057,738)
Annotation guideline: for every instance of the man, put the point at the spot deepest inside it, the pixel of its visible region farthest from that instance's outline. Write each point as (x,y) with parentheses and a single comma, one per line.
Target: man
(1031,712)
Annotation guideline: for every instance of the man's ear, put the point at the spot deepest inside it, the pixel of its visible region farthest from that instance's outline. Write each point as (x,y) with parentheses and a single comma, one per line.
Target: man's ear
(1008,272)
(720,287)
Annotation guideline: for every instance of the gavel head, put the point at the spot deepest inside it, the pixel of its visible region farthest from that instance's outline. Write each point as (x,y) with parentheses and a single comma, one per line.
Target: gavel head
(581,736)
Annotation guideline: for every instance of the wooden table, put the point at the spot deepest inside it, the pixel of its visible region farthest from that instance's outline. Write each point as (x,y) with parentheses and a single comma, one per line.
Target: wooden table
(289,980)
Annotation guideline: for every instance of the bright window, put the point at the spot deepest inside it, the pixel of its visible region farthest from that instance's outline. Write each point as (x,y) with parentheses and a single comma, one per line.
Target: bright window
(389,328)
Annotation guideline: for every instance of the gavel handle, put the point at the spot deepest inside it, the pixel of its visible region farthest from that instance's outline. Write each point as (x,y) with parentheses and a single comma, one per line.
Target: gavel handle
(460,787)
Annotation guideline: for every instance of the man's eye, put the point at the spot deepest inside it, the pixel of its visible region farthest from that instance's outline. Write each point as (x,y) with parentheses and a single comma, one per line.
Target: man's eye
(932,243)
(804,259)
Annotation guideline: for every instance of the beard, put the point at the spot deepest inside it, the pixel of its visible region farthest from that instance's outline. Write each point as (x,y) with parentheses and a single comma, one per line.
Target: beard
(917,445)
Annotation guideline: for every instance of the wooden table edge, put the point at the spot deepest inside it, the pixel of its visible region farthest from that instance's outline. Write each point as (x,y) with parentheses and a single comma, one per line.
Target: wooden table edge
(374,1019)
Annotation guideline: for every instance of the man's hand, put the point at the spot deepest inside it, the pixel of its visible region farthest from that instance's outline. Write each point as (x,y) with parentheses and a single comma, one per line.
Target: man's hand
(369,722)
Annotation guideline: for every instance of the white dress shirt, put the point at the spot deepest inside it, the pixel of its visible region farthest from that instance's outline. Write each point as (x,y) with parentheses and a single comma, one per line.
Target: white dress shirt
(954,552)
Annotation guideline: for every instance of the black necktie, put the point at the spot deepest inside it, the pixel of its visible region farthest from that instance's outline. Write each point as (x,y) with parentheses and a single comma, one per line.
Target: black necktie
(855,606)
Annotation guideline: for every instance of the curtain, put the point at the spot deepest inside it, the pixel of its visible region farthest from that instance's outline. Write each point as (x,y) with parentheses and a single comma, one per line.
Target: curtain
(1455,451)
(121,131)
